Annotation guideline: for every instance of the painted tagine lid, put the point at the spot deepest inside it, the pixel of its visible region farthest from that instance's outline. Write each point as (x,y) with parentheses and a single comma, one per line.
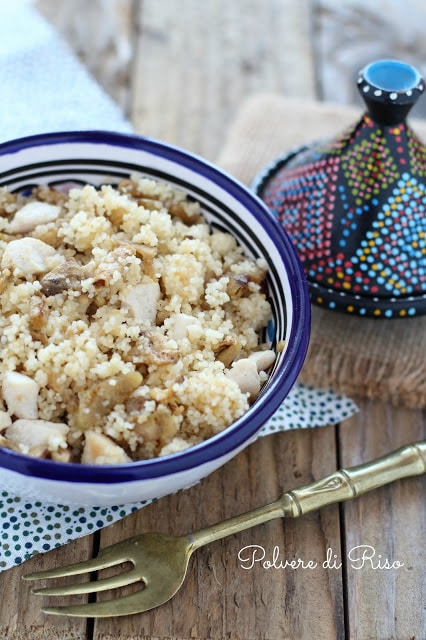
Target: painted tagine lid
(355,206)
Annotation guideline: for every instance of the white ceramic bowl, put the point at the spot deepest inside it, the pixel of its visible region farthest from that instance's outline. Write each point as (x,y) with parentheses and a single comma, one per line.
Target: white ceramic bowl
(90,157)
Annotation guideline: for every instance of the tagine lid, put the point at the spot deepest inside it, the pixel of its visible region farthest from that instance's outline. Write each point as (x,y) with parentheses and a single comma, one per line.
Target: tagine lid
(355,205)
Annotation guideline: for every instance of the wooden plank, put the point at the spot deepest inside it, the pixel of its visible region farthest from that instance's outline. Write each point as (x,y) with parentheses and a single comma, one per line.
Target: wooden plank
(20,611)
(385,603)
(221,599)
(194,64)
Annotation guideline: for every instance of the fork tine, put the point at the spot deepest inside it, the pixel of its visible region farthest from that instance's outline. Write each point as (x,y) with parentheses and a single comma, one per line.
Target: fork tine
(122,579)
(107,557)
(125,605)
(86,566)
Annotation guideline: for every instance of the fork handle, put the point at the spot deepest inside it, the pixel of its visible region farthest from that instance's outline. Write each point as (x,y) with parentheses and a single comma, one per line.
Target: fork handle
(350,483)
(337,487)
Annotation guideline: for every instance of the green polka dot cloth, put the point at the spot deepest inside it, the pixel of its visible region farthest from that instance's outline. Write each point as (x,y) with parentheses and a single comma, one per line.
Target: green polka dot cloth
(27,528)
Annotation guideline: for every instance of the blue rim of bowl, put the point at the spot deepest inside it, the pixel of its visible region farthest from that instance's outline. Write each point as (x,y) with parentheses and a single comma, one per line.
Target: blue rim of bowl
(246,427)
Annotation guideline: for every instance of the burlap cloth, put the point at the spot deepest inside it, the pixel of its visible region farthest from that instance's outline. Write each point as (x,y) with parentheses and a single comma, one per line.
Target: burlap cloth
(375,358)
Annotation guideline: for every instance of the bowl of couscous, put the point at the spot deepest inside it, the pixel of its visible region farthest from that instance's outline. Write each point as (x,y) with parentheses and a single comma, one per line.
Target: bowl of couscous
(154,315)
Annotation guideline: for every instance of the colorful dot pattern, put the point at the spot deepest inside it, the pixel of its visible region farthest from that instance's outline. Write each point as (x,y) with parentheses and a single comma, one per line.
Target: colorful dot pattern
(356,211)
(367,168)
(308,212)
(28,527)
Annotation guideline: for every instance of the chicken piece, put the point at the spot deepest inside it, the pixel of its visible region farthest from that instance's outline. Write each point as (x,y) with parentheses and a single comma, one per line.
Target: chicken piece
(244,373)
(263,359)
(99,449)
(29,255)
(142,300)
(31,215)
(36,437)
(101,398)
(67,275)
(178,325)
(21,395)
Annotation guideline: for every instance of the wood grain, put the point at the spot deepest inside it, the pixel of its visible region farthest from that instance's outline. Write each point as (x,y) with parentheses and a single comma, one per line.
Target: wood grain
(220,599)
(193,66)
(20,615)
(389,522)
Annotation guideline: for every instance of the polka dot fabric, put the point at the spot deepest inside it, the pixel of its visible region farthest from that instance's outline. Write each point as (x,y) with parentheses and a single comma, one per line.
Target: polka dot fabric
(28,528)
(306,407)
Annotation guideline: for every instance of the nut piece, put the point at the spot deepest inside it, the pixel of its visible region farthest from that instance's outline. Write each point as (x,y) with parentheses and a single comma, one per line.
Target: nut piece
(20,394)
(29,255)
(141,300)
(238,285)
(35,436)
(244,373)
(99,449)
(33,214)
(229,350)
(67,275)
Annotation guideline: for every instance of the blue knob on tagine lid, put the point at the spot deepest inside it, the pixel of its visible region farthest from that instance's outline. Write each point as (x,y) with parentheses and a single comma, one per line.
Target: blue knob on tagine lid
(355,206)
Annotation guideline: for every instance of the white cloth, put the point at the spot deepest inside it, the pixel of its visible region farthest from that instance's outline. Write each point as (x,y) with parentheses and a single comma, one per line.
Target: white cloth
(44,87)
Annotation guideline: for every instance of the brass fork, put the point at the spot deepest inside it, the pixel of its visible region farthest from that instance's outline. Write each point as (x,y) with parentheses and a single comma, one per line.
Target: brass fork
(160,561)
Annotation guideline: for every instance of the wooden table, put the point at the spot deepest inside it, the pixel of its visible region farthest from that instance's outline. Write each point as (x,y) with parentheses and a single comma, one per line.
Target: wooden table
(180,70)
